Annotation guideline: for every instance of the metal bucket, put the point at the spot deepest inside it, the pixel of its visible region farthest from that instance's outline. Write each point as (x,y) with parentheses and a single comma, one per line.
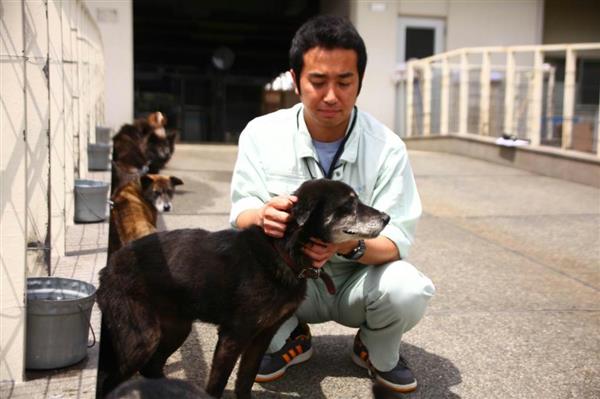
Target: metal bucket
(90,200)
(58,319)
(103,134)
(98,156)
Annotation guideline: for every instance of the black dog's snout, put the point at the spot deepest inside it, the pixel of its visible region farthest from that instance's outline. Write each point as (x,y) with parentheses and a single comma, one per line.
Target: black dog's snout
(386,218)
(167,208)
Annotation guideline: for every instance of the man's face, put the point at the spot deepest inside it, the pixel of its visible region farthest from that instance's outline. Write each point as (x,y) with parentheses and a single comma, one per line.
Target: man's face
(328,89)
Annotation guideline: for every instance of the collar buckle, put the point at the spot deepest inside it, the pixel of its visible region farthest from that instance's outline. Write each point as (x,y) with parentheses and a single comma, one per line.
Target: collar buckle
(310,272)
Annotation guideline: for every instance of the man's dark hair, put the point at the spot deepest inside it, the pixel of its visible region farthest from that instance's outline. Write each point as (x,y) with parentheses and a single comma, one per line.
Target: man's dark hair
(329,32)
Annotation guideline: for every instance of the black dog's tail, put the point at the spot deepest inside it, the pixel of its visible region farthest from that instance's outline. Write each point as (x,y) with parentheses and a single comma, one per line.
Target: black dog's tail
(133,329)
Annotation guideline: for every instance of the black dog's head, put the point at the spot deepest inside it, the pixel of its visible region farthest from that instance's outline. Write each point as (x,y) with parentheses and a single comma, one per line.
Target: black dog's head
(331,211)
(159,148)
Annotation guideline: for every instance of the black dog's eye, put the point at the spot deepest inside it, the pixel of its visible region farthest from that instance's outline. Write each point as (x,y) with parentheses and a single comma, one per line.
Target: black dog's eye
(347,206)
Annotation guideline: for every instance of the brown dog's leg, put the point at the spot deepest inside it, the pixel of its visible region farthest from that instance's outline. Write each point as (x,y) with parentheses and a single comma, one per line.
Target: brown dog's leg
(251,361)
(173,334)
(228,350)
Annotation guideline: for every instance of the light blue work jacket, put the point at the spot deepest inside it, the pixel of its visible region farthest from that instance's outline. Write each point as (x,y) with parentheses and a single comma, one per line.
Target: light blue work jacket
(276,154)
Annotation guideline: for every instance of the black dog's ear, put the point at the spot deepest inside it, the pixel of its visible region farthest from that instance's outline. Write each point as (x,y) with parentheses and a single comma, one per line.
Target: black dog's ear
(304,208)
(145,180)
(301,213)
(176,181)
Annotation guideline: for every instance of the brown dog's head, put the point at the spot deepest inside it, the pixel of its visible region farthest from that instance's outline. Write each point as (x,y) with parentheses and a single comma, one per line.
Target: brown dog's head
(158,190)
(331,211)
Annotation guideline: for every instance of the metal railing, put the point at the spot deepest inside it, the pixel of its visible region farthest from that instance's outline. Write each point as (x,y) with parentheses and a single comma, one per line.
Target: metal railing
(538,94)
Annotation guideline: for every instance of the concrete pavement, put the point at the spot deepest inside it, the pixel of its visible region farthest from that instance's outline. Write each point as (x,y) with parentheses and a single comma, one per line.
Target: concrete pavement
(515,257)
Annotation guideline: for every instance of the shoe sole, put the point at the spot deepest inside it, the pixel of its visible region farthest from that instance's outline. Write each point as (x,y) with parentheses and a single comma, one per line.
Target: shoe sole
(301,358)
(395,387)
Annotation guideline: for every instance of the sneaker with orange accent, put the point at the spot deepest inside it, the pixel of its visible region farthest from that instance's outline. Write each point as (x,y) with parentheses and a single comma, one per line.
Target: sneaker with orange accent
(399,379)
(297,349)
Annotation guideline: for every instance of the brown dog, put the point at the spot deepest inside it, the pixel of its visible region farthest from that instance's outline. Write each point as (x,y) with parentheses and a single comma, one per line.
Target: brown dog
(136,206)
(160,143)
(129,160)
(242,280)
(145,143)
(157,122)
(129,144)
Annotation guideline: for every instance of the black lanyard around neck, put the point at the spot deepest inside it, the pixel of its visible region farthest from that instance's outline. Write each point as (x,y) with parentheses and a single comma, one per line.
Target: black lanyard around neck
(339,151)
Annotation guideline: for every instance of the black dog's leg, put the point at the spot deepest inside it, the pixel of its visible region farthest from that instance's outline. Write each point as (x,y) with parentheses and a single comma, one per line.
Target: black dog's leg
(251,361)
(173,334)
(108,371)
(131,327)
(120,370)
(227,352)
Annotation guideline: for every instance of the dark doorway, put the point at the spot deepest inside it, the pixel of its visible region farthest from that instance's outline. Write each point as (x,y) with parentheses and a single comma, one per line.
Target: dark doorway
(204,63)
(419,42)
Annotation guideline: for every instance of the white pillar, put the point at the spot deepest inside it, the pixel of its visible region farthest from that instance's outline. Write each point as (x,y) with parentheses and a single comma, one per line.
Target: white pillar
(410,77)
(464,93)
(115,23)
(534,120)
(569,98)
(445,98)
(509,94)
(426,99)
(484,101)
(550,103)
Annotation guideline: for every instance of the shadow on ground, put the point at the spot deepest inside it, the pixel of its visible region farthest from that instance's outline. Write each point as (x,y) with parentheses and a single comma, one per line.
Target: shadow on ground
(329,374)
(435,374)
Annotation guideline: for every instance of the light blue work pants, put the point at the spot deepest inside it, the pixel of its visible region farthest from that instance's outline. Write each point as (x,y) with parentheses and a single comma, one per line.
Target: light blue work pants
(383,301)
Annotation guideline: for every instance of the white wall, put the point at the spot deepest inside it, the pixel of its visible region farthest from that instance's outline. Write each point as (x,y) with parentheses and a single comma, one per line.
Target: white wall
(378,30)
(115,20)
(13,195)
(46,117)
(468,23)
(490,23)
(37,114)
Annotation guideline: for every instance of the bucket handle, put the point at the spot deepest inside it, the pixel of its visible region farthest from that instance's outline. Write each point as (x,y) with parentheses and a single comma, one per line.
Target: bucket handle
(86,202)
(89,325)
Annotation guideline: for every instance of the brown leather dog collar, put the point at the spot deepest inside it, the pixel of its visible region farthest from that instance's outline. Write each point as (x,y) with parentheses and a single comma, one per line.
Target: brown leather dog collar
(307,272)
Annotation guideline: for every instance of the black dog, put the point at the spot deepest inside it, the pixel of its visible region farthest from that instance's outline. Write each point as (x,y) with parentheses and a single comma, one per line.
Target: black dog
(142,146)
(159,150)
(242,280)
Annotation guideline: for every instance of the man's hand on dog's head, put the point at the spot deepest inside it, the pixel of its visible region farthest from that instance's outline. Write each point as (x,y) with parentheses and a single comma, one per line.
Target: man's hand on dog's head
(275,215)
(320,252)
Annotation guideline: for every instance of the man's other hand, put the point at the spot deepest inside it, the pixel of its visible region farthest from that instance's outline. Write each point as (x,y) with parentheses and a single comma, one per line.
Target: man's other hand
(320,252)
(275,214)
